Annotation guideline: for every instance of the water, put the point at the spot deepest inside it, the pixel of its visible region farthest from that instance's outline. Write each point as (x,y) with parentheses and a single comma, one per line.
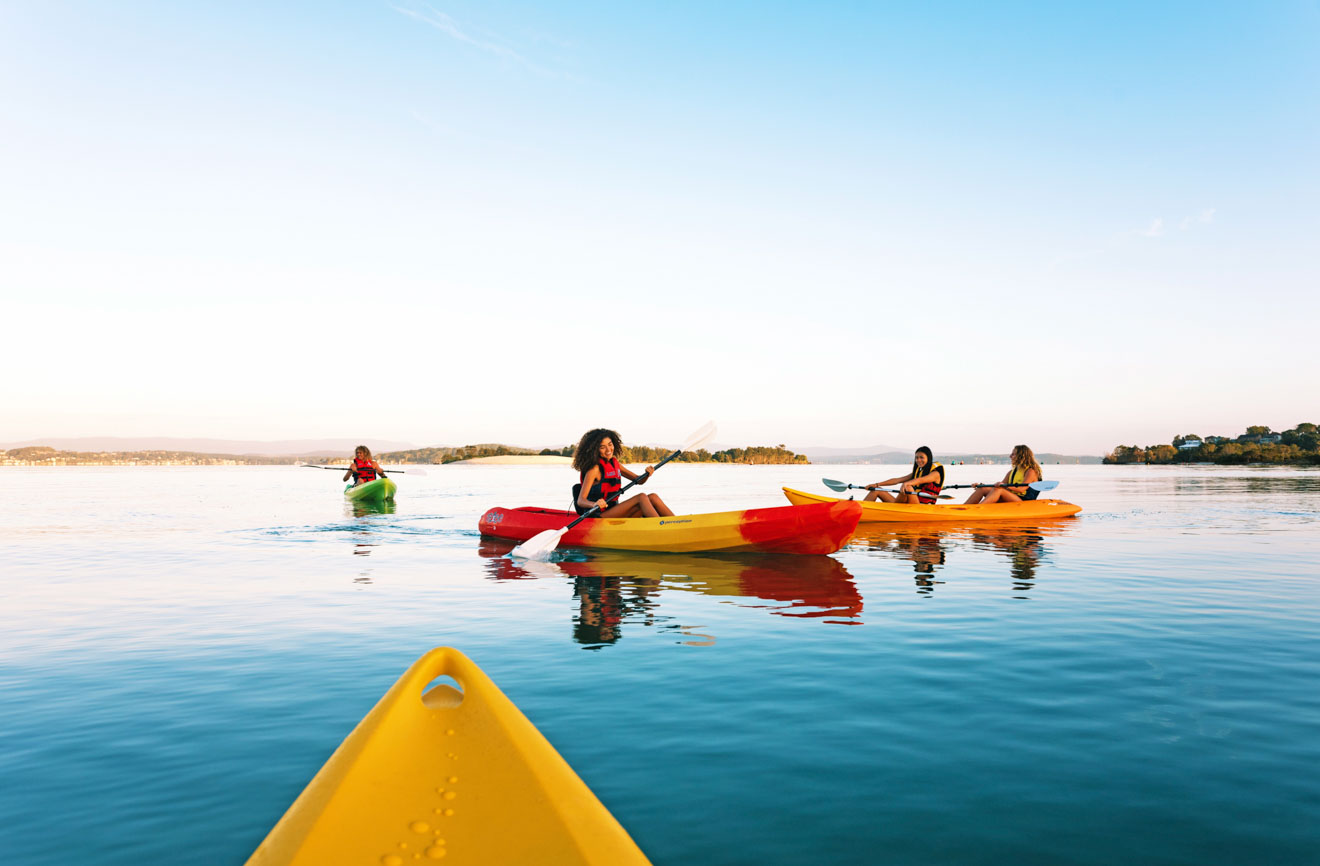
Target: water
(181,649)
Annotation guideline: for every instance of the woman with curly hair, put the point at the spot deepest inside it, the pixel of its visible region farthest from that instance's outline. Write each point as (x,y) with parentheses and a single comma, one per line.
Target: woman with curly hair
(601,476)
(1023,471)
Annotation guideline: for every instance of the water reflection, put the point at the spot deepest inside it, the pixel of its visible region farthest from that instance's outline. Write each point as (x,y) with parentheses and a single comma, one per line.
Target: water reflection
(613,588)
(365,509)
(929,548)
(363,538)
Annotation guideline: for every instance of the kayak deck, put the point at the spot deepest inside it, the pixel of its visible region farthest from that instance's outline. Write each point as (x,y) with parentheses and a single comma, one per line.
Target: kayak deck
(380,490)
(812,529)
(433,772)
(902,512)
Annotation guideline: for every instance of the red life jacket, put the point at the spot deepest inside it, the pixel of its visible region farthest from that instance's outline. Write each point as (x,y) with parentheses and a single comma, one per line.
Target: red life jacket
(363,470)
(610,483)
(927,493)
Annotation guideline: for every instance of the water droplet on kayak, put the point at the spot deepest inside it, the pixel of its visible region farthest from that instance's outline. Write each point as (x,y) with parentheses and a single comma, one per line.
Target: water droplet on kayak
(439,790)
(392,860)
(453,779)
(450,732)
(449,795)
(419,827)
(435,852)
(449,813)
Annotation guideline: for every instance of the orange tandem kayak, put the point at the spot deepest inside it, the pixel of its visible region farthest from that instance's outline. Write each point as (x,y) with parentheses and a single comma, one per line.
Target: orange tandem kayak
(902,512)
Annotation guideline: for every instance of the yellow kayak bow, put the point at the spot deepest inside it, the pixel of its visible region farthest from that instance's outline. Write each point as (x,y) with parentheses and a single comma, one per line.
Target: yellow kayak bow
(435,773)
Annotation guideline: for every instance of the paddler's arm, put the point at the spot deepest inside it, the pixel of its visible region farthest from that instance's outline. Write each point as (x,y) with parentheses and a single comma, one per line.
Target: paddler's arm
(890,481)
(935,476)
(380,470)
(633,476)
(348,474)
(1021,489)
(588,482)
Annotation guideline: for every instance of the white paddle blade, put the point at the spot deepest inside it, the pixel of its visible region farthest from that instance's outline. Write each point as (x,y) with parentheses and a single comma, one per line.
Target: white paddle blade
(836,486)
(539,546)
(699,437)
(1042,486)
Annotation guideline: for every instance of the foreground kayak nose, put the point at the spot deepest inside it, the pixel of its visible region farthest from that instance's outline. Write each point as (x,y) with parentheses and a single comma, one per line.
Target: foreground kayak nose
(437,772)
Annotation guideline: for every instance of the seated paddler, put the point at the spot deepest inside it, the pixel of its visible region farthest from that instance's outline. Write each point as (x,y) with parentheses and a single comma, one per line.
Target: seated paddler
(601,476)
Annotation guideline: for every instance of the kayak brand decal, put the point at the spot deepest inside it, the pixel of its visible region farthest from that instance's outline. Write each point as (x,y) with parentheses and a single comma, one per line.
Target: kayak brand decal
(495,517)
(663,522)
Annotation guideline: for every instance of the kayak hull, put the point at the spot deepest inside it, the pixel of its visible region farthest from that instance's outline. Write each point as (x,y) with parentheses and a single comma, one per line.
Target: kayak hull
(380,490)
(444,773)
(804,529)
(902,512)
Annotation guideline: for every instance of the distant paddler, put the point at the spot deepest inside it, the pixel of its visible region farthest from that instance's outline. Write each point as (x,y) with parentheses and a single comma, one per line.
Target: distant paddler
(921,485)
(364,467)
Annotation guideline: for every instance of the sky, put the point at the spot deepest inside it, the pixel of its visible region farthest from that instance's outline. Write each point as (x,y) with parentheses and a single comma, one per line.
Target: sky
(966,225)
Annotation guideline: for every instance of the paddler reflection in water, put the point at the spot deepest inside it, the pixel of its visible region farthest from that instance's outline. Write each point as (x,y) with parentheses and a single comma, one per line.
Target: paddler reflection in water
(364,467)
(922,484)
(601,474)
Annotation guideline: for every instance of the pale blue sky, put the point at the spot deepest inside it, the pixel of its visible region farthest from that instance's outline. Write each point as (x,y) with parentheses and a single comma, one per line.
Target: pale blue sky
(967,225)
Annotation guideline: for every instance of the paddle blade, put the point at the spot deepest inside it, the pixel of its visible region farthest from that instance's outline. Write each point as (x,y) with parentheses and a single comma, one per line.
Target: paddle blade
(699,437)
(539,546)
(1042,486)
(836,486)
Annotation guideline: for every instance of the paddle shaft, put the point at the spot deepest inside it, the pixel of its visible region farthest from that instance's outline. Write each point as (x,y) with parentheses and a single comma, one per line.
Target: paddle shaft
(346,468)
(623,490)
(1034,485)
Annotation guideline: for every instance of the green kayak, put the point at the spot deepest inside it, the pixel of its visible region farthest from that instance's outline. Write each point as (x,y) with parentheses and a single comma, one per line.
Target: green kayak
(380,490)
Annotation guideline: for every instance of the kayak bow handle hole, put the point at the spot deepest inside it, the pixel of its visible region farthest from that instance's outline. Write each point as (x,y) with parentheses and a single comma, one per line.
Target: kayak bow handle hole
(442,693)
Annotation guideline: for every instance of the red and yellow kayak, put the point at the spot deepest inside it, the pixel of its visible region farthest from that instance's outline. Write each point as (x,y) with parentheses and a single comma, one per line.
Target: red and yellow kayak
(818,528)
(902,512)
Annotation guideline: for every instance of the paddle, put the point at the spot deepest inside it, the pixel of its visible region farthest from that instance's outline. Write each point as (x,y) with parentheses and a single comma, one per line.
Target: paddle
(344,468)
(1039,486)
(840,486)
(541,545)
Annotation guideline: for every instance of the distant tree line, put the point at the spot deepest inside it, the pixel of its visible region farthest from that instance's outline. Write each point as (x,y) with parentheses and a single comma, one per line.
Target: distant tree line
(631,454)
(43,454)
(1259,444)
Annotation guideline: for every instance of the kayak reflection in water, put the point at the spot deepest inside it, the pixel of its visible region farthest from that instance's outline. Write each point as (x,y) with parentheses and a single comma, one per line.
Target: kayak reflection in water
(921,485)
(1024,471)
(364,467)
(601,476)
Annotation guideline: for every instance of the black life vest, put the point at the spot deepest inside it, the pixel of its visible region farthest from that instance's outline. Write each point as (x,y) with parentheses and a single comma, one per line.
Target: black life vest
(609,483)
(363,471)
(928,492)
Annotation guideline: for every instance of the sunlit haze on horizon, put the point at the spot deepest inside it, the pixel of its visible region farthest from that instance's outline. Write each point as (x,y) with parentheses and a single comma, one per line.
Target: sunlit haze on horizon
(824,226)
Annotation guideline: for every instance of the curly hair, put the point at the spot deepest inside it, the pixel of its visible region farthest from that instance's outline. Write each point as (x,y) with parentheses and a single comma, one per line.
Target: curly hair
(364,449)
(588,448)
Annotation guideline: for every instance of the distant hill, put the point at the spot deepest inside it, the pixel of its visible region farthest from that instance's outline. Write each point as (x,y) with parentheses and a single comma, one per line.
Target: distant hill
(845,455)
(273,448)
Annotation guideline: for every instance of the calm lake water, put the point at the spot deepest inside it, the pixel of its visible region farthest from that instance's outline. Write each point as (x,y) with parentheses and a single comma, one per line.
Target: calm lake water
(181,649)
